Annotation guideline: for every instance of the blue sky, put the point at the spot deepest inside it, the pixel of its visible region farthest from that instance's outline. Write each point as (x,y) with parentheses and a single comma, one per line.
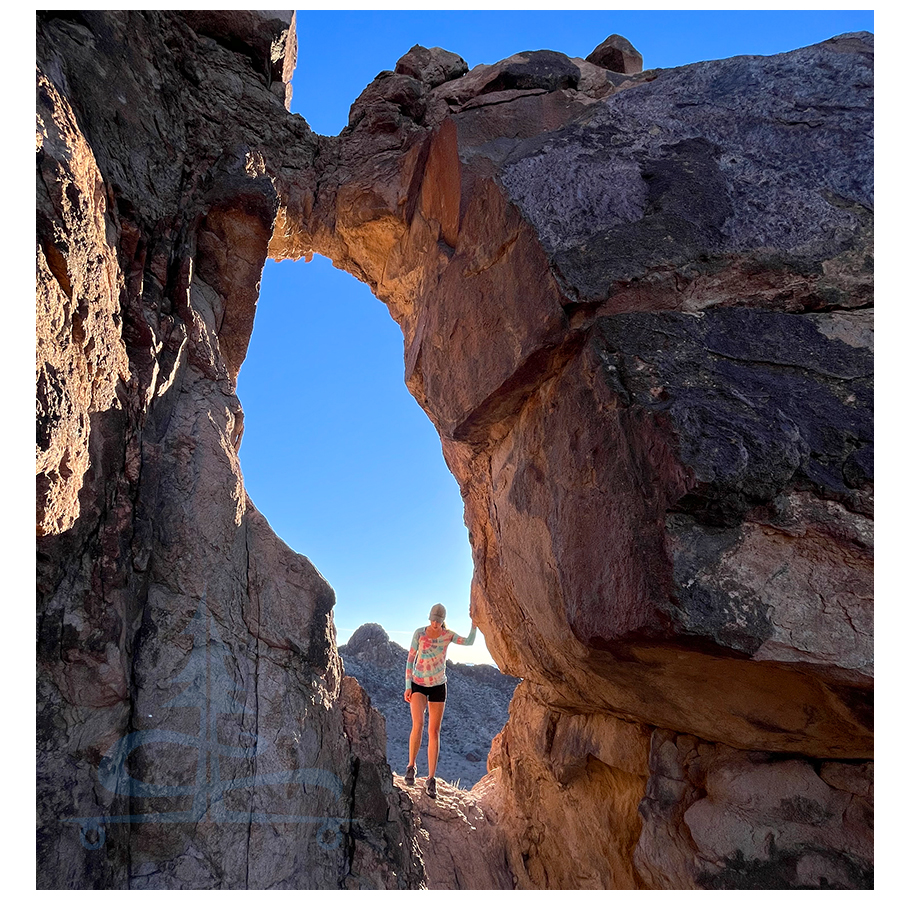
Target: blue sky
(336,454)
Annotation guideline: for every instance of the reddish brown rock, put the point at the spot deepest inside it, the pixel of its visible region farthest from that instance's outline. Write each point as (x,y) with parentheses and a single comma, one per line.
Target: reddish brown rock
(432,67)
(80,353)
(193,730)
(618,55)
(644,338)
(742,820)
(459,836)
(587,774)
(652,382)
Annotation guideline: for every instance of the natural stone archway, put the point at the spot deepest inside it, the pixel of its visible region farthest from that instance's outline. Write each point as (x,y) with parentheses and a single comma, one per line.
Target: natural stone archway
(637,309)
(645,341)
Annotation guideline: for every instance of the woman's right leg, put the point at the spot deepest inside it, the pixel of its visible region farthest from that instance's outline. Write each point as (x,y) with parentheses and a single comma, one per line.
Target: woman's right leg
(417,704)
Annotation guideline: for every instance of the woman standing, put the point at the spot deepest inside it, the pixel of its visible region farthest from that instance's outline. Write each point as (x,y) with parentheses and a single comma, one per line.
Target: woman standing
(426,682)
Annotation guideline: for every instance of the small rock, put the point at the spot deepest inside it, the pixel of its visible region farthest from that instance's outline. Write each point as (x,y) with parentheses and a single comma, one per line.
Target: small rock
(618,55)
(433,67)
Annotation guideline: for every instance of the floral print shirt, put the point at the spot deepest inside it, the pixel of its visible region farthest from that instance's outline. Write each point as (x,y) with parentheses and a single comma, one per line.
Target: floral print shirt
(426,663)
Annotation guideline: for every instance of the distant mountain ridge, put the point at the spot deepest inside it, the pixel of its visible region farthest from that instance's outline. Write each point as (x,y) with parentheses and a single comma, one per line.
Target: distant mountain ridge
(477,707)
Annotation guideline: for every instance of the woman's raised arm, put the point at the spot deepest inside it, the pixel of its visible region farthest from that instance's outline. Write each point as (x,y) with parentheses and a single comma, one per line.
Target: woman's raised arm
(465,641)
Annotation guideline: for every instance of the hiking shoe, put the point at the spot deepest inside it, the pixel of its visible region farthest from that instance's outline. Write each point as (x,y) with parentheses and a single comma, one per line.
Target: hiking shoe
(410,777)
(431,788)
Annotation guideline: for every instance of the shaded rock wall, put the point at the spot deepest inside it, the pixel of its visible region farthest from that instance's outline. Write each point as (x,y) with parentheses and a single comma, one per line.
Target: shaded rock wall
(637,309)
(193,726)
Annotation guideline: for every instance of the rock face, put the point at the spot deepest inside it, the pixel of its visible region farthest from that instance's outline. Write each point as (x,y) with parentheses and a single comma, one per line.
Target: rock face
(639,316)
(638,310)
(193,726)
(458,835)
(477,706)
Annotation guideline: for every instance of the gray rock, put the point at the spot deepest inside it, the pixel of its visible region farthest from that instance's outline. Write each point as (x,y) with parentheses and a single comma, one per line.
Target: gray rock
(756,154)
(530,70)
(637,314)
(545,70)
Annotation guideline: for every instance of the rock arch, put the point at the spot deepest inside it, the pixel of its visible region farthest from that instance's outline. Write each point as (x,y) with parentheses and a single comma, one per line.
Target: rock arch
(637,309)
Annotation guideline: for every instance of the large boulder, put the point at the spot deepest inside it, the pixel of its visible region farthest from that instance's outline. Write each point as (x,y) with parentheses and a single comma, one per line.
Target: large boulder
(433,67)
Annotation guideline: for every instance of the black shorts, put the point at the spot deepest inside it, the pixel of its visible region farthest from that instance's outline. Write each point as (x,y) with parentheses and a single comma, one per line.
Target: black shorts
(436,694)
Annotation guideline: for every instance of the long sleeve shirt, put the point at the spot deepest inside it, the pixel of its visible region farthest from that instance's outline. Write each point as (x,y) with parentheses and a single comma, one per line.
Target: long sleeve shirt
(427,660)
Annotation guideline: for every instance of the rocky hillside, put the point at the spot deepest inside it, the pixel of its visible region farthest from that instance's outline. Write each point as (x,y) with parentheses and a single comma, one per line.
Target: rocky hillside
(637,307)
(477,705)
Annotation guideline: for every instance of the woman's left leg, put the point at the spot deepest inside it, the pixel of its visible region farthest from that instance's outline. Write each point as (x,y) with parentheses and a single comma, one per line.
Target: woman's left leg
(435,714)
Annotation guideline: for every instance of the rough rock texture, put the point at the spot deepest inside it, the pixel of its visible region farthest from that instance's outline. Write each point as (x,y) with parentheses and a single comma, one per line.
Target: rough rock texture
(638,310)
(458,836)
(726,819)
(193,730)
(639,316)
(382,833)
(431,67)
(566,789)
(80,353)
(478,698)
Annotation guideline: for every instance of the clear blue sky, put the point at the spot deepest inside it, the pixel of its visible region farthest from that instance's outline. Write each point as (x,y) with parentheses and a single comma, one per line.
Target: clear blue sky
(336,454)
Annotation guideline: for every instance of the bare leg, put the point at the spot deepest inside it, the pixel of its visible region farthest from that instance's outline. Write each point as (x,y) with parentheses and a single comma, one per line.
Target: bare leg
(435,714)
(417,709)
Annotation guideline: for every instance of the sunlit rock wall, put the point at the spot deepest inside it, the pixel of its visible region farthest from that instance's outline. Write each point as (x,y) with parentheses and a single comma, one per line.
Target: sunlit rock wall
(638,310)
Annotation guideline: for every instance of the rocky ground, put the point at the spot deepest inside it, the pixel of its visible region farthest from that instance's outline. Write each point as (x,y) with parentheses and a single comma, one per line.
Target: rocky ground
(477,705)
(457,836)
